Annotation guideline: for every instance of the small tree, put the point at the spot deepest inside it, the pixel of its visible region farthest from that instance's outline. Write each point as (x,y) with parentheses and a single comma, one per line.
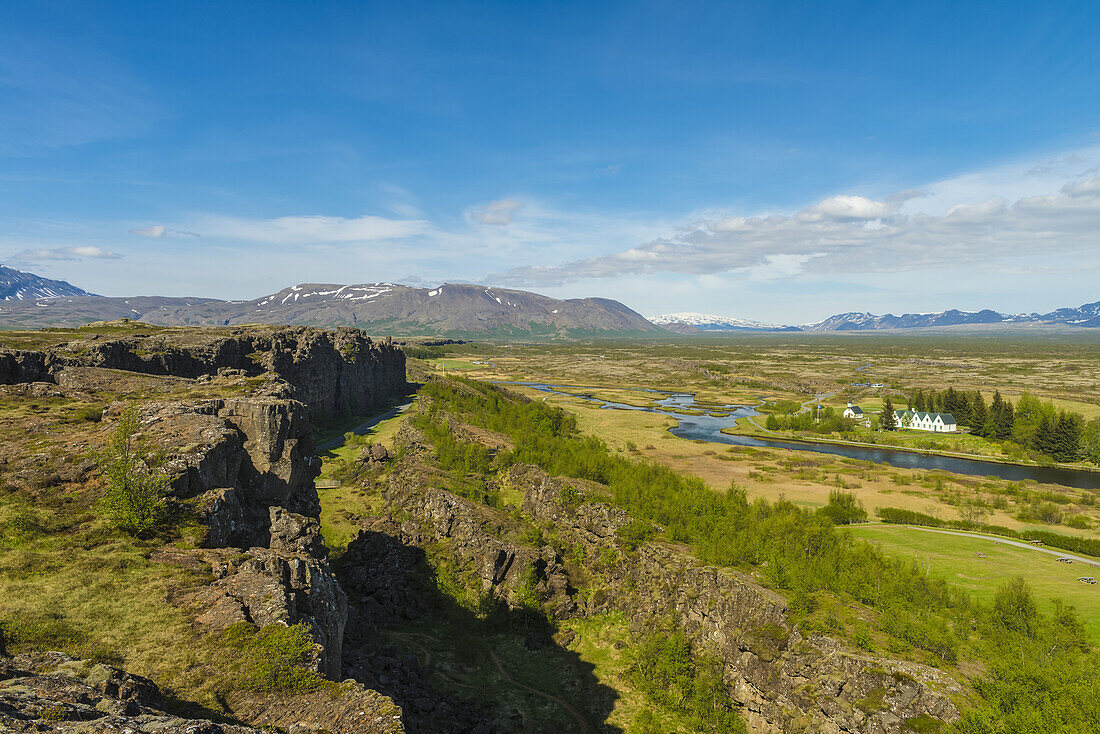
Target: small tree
(888,421)
(134,500)
(844,508)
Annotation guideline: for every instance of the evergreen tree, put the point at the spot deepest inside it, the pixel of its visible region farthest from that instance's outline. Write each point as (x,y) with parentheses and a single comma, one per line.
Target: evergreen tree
(954,403)
(1090,441)
(979,414)
(1067,437)
(919,403)
(1043,438)
(1000,417)
(887,421)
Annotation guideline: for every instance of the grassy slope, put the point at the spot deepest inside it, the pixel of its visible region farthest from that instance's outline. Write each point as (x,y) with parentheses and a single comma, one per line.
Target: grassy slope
(460,651)
(954,558)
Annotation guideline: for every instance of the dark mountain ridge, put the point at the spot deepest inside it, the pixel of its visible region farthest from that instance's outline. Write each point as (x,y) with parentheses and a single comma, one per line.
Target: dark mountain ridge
(16,285)
(450,309)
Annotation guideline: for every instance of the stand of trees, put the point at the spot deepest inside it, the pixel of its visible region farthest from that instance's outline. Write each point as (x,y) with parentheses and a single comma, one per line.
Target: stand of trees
(825,421)
(1037,672)
(1032,423)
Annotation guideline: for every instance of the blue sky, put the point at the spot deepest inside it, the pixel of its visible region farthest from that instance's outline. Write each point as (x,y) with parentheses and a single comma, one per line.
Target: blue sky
(777,161)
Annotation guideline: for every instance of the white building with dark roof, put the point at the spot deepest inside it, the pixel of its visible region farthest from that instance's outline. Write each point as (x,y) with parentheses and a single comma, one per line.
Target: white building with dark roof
(853,411)
(921,421)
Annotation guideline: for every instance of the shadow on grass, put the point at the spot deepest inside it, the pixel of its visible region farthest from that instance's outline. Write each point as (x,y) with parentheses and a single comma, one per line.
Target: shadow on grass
(454,669)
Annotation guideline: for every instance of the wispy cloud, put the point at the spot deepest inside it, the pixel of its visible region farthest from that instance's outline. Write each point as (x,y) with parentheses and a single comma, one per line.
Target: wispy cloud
(853,234)
(313,229)
(498,213)
(63,253)
(159,230)
(56,94)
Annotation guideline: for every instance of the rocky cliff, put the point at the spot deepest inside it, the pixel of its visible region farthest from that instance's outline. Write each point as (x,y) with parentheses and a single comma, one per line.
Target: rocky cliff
(234,428)
(785,680)
(333,372)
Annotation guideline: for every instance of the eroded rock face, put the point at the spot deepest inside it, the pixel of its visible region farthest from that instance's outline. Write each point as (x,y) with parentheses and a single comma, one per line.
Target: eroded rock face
(268,586)
(23,366)
(247,467)
(240,458)
(786,681)
(51,692)
(473,533)
(334,372)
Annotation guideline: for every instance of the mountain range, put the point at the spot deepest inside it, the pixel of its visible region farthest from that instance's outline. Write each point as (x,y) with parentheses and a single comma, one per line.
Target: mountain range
(1087,315)
(452,309)
(389,308)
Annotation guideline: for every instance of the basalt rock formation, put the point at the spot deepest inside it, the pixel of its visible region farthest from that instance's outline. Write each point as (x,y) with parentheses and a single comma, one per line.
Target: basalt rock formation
(785,680)
(334,373)
(51,692)
(243,463)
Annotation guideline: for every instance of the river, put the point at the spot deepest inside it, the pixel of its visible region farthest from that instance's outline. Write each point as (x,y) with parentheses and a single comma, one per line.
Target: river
(709,428)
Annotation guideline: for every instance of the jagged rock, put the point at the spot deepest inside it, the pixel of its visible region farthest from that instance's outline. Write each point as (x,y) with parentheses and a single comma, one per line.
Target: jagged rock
(374,453)
(334,372)
(474,534)
(784,680)
(267,586)
(51,692)
(294,533)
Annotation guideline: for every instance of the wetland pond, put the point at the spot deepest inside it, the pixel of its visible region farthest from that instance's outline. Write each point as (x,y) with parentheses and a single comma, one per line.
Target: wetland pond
(708,427)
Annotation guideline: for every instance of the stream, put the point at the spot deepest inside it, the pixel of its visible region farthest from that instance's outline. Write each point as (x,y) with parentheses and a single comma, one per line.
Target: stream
(709,428)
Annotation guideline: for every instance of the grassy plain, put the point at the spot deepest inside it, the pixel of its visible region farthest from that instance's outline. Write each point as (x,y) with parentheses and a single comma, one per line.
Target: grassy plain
(956,559)
(1063,367)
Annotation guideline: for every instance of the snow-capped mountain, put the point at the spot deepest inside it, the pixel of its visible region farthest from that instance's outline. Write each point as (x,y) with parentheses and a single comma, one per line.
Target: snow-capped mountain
(387,308)
(1086,315)
(708,322)
(15,285)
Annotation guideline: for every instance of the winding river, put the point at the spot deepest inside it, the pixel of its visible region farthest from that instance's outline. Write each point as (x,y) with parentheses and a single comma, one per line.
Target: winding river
(709,428)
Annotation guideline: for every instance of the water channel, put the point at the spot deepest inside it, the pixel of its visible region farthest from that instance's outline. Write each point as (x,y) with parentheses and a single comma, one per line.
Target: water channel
(709,428)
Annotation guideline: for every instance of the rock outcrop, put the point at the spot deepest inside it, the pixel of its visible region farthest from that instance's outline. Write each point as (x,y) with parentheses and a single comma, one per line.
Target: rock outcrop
(333,372)
(247,467)
(270,586)
(51,692)
(786,681)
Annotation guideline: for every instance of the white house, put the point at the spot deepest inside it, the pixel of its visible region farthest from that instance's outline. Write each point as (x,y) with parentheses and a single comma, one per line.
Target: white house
(853,411)
(920,421)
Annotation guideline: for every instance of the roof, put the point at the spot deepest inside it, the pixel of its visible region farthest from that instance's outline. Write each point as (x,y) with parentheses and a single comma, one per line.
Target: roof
(855,409)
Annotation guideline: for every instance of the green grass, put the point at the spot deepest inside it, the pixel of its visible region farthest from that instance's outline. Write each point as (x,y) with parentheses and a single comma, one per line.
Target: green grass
(954,558)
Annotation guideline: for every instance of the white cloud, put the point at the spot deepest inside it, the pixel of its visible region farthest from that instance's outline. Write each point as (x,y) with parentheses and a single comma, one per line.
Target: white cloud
(498,213)
(847,209)
(159,230)
(855,234)
(63,253)
(313,229)
(778,267)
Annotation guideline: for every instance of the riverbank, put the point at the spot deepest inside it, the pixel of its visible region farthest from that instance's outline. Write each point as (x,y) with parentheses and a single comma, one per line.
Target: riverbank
(761,432)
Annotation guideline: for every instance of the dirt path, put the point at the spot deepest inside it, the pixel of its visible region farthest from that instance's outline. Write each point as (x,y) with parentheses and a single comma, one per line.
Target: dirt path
(581,721)
(360,429)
